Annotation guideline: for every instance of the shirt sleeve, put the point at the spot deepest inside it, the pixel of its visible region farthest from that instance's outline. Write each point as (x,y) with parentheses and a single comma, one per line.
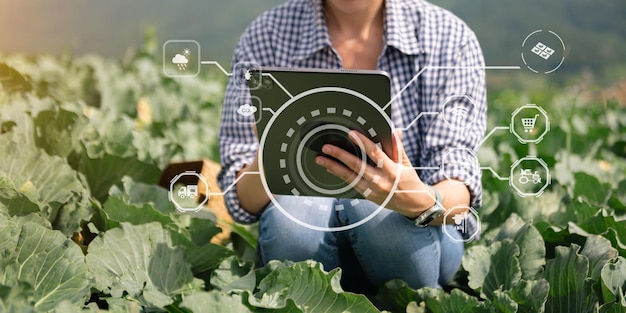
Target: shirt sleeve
(237,141)
(453,137)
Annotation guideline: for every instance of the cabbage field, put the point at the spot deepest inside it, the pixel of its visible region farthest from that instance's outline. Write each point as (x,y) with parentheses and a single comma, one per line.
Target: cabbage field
(84,227)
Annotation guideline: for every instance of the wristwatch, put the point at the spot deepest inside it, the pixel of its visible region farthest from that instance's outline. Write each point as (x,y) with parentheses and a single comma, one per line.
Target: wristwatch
(431,213)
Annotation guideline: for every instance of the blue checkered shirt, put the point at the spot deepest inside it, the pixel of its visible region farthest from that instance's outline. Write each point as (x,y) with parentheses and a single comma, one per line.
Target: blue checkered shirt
(418,37)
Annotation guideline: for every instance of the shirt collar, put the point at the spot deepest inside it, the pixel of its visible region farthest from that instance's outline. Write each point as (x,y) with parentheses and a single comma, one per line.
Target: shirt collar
(400,33)
(314,34)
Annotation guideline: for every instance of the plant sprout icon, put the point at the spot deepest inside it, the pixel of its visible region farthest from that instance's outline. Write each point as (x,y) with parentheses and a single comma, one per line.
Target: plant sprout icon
(181,60)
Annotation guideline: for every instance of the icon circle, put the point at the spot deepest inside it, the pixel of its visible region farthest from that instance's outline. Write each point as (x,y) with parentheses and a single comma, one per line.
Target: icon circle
(248,110)
(461,162)
(188,190)
(460,223)
(525,122)
(530,176)
(181,58)
(243,77)
(456,115)
(543,51)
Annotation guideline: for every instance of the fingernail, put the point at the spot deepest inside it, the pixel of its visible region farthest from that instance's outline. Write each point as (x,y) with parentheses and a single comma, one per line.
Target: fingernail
(326,149)
(319,161)
(353,135)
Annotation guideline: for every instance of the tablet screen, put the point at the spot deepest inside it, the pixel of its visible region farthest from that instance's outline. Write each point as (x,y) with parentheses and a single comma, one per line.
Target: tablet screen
(297,111)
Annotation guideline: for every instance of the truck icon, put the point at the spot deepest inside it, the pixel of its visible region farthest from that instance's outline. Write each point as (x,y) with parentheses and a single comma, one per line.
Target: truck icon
(188,191)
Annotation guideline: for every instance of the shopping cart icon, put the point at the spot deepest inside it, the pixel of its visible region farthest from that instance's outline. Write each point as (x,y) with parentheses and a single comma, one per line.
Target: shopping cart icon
(529,123)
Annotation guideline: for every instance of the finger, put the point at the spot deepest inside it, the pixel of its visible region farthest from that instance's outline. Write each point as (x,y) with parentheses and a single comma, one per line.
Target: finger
(396,145)
(350,162)
(360,184)
(337,169)
(372,150)
(399,154)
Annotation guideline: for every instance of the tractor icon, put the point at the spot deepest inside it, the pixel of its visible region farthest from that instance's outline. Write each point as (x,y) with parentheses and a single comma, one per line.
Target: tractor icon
(188,191)
(526,176)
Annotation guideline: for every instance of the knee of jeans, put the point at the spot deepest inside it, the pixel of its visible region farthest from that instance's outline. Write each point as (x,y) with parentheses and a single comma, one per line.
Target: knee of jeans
(281,239)
(396,248)
(452,249)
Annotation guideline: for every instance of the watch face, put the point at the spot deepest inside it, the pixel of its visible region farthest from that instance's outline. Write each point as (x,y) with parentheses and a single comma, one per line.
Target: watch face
(427,220)
(430,214)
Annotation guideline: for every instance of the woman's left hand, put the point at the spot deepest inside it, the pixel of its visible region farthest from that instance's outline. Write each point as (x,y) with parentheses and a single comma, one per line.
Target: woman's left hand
(410,197)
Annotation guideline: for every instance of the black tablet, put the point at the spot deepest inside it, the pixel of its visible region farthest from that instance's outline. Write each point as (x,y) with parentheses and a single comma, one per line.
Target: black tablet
(300,110)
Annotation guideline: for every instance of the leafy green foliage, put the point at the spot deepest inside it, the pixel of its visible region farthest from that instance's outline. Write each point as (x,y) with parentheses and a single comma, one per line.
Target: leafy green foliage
(141,262)
(310,289)
(569,289)
(16,298)
(234,274)
(47,265)
(82,145)
(213,301)
(32,181)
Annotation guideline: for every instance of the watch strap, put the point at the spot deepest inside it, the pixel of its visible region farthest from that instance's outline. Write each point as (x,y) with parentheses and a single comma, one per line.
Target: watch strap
(431,213)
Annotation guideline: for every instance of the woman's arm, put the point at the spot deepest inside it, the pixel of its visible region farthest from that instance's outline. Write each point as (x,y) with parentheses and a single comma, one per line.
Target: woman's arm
(411,197)
(250,191)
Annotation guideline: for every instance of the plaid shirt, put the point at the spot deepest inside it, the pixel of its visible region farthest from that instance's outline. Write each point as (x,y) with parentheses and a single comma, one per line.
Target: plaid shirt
(418,36)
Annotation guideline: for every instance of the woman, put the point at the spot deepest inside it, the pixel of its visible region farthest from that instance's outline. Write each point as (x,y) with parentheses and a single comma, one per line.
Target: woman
(434,62)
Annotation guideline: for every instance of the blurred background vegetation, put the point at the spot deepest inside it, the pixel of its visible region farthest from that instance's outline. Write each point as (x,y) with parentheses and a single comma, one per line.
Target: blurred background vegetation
(88,121)
(594,31)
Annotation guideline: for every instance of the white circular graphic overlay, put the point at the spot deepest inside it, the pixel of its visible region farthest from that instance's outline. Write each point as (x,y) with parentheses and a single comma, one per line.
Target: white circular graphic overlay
(264,138)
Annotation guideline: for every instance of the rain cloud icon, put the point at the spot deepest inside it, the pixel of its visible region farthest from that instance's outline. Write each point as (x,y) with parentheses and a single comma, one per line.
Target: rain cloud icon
(246,110)
(181,61)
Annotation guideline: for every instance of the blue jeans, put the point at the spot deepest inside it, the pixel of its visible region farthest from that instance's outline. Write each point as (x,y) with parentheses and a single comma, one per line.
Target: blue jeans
(388,246)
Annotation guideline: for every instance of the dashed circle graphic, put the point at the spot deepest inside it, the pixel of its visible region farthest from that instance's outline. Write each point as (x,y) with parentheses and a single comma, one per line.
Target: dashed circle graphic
(288,159)
(304,175)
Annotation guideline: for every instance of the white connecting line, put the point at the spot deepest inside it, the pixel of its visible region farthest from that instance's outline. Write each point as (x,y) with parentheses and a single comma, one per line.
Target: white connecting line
(398,191)
(395,97)
(491,133)
(417,118)
(264,74)
(484,168)
(279,84)
(218,66)
(426,191)
(233,184)
(426,168)
(446,68)
(494,173)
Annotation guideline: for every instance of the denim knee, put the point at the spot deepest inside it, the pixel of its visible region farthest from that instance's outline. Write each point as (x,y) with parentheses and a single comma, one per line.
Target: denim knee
(390,246)
(281,238)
